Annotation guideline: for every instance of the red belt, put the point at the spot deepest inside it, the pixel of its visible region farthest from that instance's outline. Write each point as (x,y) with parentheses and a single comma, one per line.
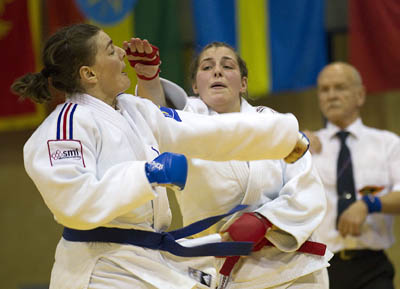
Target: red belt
(309,247)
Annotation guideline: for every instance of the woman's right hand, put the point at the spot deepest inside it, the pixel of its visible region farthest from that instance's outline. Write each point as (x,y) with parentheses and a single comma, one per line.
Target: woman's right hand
(143,57)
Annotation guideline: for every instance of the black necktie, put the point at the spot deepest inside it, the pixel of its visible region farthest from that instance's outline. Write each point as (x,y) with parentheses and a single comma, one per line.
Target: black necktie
(345,180)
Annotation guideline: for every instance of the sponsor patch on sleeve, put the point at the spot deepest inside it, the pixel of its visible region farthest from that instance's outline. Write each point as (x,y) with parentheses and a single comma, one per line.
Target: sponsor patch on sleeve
(65,151)
(169,112)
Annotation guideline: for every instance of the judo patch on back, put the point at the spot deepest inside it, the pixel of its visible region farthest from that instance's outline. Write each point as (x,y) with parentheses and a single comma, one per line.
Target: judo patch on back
(169,112)
(200,276)
(67,151)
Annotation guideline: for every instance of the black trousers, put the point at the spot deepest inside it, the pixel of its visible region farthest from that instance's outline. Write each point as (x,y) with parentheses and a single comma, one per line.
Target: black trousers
(361,269)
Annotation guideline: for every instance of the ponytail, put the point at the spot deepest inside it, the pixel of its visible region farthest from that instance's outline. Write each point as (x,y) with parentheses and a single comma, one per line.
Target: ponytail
(34,86)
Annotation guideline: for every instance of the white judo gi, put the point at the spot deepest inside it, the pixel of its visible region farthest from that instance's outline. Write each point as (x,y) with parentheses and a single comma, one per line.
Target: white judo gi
(87,161)
(291,196)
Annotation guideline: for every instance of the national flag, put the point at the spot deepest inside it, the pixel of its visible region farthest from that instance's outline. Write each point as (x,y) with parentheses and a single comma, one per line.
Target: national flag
(159,22)
(283,42)
(374,42)
(19,50)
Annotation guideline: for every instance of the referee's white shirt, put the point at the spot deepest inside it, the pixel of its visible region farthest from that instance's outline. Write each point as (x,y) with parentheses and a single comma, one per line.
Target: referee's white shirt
(376,161)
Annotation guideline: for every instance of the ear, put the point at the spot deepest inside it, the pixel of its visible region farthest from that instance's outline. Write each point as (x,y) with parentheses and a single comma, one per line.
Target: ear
(194,88)
(243,87)
(87,75)
(361,96)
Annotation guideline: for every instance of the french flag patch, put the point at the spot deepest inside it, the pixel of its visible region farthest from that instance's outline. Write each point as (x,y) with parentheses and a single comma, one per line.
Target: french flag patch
(65,121)
(64,149)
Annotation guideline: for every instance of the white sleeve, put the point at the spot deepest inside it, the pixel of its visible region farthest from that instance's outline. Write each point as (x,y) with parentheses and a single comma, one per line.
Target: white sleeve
(299,208)
(78,195)
(229,136)
(173,92)
(393,159)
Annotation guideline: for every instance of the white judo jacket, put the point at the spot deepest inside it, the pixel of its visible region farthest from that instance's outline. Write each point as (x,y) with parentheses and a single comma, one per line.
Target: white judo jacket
(290,196)
(87,161)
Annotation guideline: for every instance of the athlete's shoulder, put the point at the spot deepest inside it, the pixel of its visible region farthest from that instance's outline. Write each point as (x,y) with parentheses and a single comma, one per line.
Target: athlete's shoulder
(264,109)
(126,100)
(196,105)
(247,107)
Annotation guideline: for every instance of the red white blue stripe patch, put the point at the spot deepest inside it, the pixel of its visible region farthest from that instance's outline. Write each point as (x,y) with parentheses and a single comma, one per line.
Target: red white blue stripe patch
(65,149)
(65,124)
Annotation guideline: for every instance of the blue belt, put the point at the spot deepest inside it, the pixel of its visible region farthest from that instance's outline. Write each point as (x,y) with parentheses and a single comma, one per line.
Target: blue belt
(165,241)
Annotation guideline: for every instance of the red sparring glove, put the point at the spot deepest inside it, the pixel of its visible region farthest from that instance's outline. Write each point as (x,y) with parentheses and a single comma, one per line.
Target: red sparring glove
(148,60)
(249,227)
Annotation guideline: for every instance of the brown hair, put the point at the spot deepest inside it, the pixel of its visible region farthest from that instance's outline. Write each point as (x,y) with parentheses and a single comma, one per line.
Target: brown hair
(195,63)
(64,53)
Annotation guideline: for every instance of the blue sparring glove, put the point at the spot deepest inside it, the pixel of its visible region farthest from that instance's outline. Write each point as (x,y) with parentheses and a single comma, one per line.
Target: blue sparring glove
(168,169)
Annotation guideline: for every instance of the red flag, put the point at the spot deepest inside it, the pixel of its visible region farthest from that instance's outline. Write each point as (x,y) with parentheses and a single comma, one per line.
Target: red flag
(62,13)
(16,57)
(59,14)
(374,42)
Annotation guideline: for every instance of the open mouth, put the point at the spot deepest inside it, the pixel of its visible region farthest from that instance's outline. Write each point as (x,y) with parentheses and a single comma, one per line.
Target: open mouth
(218,85)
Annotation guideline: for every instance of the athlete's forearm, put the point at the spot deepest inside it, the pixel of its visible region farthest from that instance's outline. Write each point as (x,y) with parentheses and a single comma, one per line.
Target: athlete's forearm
(152,90)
